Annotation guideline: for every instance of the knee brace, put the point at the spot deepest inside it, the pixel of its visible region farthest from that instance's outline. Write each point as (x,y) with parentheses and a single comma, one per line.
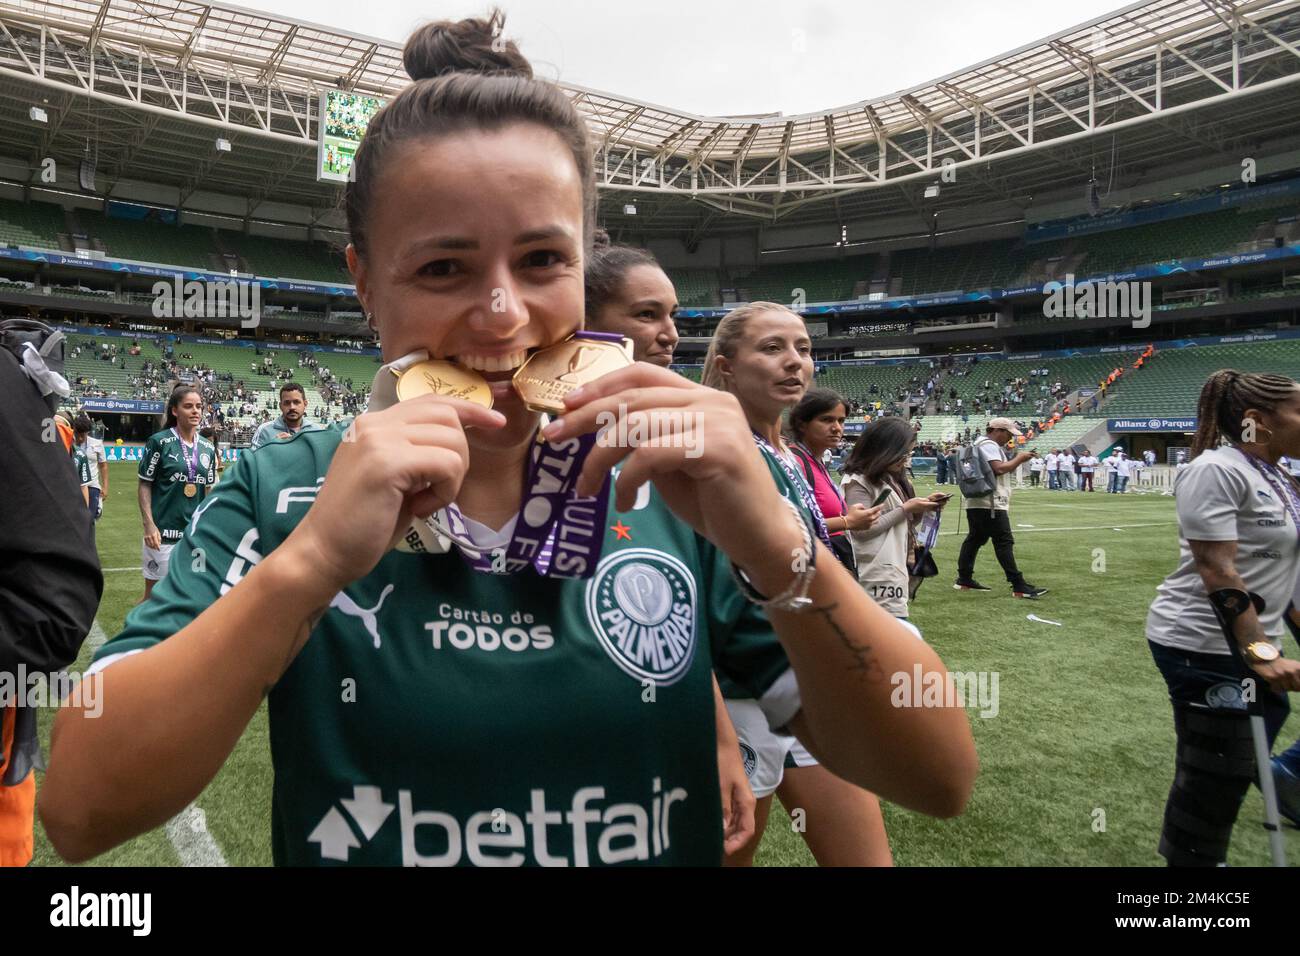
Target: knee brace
(1213,770)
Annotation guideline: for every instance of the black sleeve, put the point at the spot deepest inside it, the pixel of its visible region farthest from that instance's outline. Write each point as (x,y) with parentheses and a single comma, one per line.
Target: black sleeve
(50,579)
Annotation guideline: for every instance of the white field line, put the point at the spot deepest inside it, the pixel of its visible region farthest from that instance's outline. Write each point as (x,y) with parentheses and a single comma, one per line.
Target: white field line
(1100,527)
(110,570)
(188,830)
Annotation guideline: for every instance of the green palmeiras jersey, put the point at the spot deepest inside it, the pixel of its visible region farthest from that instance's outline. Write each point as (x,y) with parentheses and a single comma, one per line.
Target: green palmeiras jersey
(441,716)
(165,465)
(82,464)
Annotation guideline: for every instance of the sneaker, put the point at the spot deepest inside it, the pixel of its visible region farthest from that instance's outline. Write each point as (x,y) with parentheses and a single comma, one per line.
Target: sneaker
(1026,590)
(1287,786)
(970,584)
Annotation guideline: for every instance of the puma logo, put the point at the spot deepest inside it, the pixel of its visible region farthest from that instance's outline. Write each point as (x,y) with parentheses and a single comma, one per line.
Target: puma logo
(369,615)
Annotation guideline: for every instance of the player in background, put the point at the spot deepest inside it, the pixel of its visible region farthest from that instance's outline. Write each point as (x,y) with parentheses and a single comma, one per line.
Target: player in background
(626,291)
(93,449)
(762,355)
(176,468)
(82,465)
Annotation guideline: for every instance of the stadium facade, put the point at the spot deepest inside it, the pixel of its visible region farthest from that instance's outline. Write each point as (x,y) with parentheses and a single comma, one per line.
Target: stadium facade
(1153,150)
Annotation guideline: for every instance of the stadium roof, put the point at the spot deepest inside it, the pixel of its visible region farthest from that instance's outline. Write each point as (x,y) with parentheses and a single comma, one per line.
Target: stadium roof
(144,83)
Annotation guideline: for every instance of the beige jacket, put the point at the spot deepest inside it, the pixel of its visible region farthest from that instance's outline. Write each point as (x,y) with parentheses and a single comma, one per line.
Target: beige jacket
(881,550)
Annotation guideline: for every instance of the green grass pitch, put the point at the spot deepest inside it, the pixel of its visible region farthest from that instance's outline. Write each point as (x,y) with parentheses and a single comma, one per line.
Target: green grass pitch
(1083,734)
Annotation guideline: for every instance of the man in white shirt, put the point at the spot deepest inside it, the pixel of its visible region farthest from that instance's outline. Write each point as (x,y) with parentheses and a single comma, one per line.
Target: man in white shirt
(1126,466)
(1035,470)
(1120,472)
(1066,465)
(1052,464)
(1087,468)
(989,515)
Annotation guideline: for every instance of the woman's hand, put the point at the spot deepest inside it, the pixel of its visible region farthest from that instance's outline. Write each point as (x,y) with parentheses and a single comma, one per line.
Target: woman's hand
(392,466)
(858,517)
(1282,675)
(916,506)
(940,498)
(703,463)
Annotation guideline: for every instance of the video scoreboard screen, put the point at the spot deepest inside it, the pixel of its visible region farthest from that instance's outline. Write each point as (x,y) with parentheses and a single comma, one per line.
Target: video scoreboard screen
(344,118)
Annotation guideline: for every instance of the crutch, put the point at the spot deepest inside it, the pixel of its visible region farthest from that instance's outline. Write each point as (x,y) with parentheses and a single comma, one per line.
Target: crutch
(1229,604)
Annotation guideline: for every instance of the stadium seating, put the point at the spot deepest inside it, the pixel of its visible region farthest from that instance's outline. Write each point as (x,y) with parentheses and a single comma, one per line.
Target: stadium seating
(35,224)
(1168,385)
(971,266)
(281,258)
(826,281)
(696,287)
(152,241)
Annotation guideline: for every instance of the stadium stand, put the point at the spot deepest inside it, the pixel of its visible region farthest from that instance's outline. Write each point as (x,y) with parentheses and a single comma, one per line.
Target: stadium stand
(824,281)
(179,245)
(35,224)
(1168,386)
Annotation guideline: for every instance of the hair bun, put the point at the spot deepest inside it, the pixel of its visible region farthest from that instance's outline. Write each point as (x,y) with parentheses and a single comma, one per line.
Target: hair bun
(472,45)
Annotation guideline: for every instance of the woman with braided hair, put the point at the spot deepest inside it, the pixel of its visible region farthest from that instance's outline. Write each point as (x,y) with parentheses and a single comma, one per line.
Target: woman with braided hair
(1239,529)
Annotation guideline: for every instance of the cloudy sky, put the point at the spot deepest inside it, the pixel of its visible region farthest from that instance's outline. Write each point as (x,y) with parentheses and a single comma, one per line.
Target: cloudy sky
(731,57)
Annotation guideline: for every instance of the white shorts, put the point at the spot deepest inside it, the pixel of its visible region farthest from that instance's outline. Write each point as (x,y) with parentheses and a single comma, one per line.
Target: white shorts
(766,754)
(154,563)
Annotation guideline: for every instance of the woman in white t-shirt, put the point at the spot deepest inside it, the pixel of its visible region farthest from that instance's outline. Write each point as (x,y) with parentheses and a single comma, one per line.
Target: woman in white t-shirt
(1239,529)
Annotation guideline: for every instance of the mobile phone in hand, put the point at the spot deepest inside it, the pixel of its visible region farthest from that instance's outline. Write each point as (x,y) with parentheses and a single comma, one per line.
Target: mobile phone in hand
(880,498)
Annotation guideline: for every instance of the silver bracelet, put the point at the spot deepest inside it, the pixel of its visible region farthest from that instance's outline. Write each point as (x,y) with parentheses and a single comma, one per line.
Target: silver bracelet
(794,599)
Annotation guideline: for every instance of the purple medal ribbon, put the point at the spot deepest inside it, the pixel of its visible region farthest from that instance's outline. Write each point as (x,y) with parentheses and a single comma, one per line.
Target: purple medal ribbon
(558,535)
(190,456)
(1284,488)
(800,485)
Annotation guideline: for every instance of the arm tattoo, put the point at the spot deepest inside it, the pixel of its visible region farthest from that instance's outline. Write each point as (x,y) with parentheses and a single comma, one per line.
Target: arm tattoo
(865,661)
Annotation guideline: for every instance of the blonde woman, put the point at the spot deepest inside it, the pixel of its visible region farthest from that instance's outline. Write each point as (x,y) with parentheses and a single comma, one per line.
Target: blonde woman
(762,355)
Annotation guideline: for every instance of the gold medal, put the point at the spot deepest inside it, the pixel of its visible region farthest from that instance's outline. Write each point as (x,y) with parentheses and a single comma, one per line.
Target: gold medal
(549,375)
(435,377)
(190,489)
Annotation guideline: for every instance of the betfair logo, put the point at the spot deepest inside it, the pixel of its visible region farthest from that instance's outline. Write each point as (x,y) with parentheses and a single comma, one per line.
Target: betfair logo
(622,832)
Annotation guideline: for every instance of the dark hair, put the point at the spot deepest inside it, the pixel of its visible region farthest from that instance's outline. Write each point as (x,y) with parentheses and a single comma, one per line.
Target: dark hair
(881,445)
(293,387)
(81,424)
(814,402)
(1226,397)
(178,393)
(464,76)
(607,267)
